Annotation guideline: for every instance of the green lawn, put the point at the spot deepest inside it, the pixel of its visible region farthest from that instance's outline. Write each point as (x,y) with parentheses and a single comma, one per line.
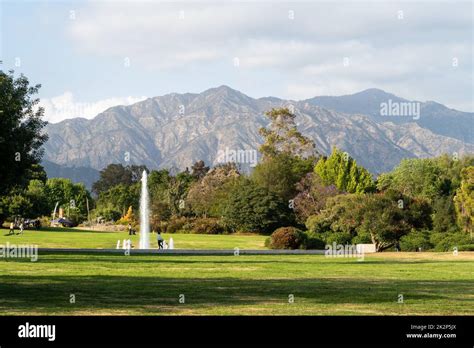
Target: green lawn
(76,238)
(431,284)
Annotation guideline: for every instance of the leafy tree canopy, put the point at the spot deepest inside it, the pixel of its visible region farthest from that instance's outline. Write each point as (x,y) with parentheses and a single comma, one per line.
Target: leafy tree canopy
(283,137)
(384,217)
(205,197)
(252,208)
(341,170)
(429,178)
(464,200)
(21,136)
(280,174)
(199,169)
(115,174)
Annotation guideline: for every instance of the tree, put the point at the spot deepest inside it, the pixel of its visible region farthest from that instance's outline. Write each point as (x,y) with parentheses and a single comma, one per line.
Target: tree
(115,174)
(280,174)
(15,205)
(130,216)
(158,182)
(390,216)
(21,136)
(312,196)
(199,169)
(414,177)
(252,208)
(383,217)
(204,196)
(451,168)
(464,200)
(429,178)
(341,170)
(72,197)
(178,188)
(435,179)
(120,198)
(283,137)
(444,215)
(160,211)
(37,195)
(36,172)
(136,172)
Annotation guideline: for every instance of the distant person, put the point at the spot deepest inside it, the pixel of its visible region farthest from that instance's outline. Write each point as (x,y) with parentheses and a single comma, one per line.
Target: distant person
(12,228)
(160,239)
(130,230)
(21,228)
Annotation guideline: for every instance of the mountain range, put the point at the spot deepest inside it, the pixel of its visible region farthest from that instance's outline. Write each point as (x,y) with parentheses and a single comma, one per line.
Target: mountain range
(175,130)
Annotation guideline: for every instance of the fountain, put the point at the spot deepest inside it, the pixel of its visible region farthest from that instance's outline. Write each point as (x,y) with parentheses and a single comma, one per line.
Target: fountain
(144,214)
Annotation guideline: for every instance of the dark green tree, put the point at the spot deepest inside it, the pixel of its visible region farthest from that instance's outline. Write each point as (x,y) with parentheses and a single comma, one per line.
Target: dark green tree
(71,197)
(199,169)
(21,136)
(115,174)
(252,208)
(444,216)
(120,198)
(382,217)
(281,172)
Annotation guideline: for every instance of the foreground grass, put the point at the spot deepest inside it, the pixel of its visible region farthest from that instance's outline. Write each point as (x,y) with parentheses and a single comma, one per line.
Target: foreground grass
(431,284)
(76,238)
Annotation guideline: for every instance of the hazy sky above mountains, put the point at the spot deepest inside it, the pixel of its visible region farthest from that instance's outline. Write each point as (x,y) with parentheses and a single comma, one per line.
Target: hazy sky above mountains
(92,55)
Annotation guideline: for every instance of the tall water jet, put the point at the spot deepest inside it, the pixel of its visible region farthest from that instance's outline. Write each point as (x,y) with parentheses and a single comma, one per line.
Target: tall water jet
(144,214)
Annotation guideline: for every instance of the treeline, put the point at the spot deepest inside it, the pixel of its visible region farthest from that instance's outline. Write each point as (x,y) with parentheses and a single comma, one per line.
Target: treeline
(422,204)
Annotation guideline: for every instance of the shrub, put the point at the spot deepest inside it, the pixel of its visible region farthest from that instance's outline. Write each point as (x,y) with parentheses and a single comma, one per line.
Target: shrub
(362,238)
(109,214)
(160,226)
(313,241)
(317,224)
(338,238)
(416,240)
(45,221)
(75,216)
(127,218)
(447,241)
(207,226)
(175,225)
(466,247)
(287,238)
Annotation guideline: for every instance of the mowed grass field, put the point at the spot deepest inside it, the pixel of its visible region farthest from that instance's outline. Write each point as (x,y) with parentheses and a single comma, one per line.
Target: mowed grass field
(430,283)
(77,238)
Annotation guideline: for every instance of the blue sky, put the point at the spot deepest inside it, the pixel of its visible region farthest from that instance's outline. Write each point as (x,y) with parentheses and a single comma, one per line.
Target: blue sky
(79,51)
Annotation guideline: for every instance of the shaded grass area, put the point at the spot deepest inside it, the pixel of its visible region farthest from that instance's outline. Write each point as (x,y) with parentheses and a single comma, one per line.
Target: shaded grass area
(238,285)
(76,238)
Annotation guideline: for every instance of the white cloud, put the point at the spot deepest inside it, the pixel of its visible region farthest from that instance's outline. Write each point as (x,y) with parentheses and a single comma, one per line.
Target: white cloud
(65,106)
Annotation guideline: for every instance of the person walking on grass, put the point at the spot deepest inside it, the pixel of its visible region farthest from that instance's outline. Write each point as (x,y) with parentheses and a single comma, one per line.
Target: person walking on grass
(21,227)
(159,239)
(12,228)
